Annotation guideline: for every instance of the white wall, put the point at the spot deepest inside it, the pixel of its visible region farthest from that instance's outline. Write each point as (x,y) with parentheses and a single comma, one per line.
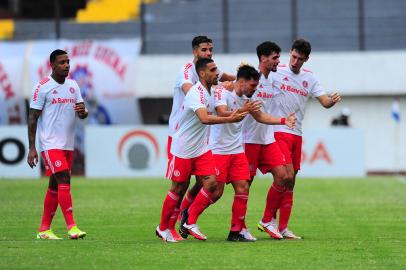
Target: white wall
(385,141)
(353,73)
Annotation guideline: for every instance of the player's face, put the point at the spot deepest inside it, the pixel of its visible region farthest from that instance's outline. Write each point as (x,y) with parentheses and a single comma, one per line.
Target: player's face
(271,61)
(61,65)
(205,50)
(211,73)
(249,87)
(296,61)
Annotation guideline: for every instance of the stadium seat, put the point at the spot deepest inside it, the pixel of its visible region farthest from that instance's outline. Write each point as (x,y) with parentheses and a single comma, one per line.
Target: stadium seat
(112,11)
(6,29)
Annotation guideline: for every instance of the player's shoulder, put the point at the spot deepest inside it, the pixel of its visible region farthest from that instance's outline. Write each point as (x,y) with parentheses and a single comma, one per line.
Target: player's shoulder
(44,84)
(71,82)
(306,70)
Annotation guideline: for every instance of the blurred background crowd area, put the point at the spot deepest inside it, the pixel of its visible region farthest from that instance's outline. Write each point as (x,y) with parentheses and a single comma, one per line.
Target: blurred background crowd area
(125,55)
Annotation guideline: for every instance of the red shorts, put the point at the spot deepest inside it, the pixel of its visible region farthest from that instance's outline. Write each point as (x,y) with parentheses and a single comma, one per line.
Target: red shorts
(231,167)
(291,147)
(263,157)
(168,148)
(180,169)
(57,160)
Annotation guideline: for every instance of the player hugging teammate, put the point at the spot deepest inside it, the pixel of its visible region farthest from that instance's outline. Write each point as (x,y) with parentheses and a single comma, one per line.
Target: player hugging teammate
(223,134)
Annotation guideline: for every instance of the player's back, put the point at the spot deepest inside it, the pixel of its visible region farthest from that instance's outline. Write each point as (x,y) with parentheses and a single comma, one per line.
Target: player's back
(191,136)
(57,120)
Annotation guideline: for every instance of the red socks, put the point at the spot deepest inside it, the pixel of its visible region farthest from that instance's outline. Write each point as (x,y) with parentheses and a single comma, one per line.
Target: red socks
(173,218)
(285,209)
(50,206)
(187,201)
(273,202)
(65,202)
(239,210)
(168,208)
(202,201)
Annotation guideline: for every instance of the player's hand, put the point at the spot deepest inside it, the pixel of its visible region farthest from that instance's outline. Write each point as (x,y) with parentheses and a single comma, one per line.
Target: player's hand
(251,106)
(291,120)
(32,158)
(79,108)
(228,85)
(335,97)
(237,116)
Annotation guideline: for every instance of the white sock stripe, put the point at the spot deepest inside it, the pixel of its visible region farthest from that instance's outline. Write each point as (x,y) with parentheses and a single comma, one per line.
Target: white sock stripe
(49,162)
(173,196)
(204,193)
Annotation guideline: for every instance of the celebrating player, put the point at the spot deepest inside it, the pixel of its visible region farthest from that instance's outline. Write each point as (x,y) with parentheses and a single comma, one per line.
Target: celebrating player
(227,146)
(55,102)
(295,84)
(190,152)
(185,79)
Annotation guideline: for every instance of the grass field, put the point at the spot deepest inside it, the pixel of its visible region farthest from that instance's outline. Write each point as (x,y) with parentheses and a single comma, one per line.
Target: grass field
(348,224)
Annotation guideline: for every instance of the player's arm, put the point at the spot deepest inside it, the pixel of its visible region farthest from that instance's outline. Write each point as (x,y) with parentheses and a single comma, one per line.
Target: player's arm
(208,119)
(267,119)
(81,110)
(33,116)
(328,101)
(186,87)
(249,106)
(227,77)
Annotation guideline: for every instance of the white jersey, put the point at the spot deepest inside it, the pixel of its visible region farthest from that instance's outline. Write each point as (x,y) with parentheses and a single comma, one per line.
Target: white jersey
(293,91)
(227,138)
(254,132)
(187,74)
(56,124)
(191,138)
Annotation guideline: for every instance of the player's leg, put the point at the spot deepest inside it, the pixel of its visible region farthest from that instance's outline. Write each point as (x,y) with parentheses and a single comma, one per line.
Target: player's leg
(169,210)
(65,202)
(291,146)
(238,231)
(202,201)
(50,207)
(191,195)
(272,160)
(178,172)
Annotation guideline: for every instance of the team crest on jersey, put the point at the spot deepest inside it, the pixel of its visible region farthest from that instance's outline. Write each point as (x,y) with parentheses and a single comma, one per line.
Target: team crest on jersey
(260,86)
(58,163)
(286,78)
(305,84)
(176,173)
(72,90)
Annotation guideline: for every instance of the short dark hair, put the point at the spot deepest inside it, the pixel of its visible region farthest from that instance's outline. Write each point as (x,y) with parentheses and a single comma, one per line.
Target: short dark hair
(247,72)
(267,48)
(202,63)
(302,46)
(54,54)
(199,40)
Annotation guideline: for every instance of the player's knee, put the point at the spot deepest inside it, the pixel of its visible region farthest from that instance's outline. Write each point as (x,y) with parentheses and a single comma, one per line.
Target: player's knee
(62,177)
(178,188)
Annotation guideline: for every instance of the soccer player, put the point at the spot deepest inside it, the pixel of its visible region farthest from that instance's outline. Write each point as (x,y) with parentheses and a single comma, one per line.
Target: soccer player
(55,102)
(295,85)
(190,152)
(187,76)
(227,146)
(262,151)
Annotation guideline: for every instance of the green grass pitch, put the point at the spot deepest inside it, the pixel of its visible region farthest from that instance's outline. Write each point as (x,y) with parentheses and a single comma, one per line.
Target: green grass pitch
(347,224)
